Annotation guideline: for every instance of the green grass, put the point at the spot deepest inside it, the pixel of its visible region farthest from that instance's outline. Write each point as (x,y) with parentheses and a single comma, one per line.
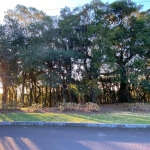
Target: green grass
(122,117)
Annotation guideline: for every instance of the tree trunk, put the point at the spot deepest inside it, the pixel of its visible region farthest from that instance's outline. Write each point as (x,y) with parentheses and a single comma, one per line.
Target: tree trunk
(39,94)
(15,95)
(10,95)
(4,95)
(104,93)
(31,94)
(5,92)
(34,93)
(45,97)
(23,85)
(123,93)
(50,97)
(92,94)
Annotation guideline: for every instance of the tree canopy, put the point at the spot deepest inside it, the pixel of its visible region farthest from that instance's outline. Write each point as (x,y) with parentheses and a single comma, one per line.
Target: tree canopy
(98,52)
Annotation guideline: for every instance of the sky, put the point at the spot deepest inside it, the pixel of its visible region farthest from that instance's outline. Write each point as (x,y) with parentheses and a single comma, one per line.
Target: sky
(53,4)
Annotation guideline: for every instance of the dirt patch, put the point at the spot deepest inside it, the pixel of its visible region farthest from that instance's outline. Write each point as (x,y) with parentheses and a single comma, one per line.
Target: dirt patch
(105,108)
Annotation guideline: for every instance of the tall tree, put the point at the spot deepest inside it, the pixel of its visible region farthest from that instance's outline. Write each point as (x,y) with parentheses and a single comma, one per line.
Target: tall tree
(127,42)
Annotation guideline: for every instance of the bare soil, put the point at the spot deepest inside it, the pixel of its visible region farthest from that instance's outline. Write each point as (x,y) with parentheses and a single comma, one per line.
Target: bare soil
(105,108)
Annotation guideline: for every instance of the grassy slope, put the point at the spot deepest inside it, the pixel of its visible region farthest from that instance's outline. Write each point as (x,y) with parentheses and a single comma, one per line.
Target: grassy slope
(118,117)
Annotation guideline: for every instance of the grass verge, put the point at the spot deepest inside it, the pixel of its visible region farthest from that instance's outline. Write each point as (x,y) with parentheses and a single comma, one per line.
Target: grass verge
(118,117)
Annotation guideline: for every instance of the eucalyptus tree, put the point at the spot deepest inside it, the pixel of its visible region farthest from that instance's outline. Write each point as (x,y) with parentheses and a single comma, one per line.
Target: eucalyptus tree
(128,44)
(98,31)
(144,81)
(95,47)
(31,23)
(83,32)
(3,63)
(117,47)
(64,43)
(8,54)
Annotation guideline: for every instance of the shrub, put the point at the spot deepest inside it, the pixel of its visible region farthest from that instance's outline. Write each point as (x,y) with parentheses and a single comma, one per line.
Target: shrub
(74,106)
(92,106)
(68,106)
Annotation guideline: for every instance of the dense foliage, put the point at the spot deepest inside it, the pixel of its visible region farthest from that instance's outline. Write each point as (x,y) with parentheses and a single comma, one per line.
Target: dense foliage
(94,53)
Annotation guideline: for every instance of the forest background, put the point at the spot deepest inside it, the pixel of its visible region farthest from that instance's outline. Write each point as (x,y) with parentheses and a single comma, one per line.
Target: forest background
(97,53)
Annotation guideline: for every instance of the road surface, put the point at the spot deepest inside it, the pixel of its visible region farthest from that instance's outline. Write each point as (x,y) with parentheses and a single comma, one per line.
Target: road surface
(71,138)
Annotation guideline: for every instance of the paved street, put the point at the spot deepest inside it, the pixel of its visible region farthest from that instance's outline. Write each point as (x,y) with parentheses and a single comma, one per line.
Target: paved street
(71,138)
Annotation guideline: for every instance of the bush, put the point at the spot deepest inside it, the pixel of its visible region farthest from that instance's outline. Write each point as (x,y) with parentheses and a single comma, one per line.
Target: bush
(69,106)
(74,106)
(92,106)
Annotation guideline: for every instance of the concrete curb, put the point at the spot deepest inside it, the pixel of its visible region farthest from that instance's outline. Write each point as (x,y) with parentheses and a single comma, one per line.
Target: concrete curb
(70,124)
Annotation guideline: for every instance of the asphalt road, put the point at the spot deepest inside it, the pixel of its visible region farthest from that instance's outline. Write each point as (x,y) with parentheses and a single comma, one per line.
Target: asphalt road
(71,138)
